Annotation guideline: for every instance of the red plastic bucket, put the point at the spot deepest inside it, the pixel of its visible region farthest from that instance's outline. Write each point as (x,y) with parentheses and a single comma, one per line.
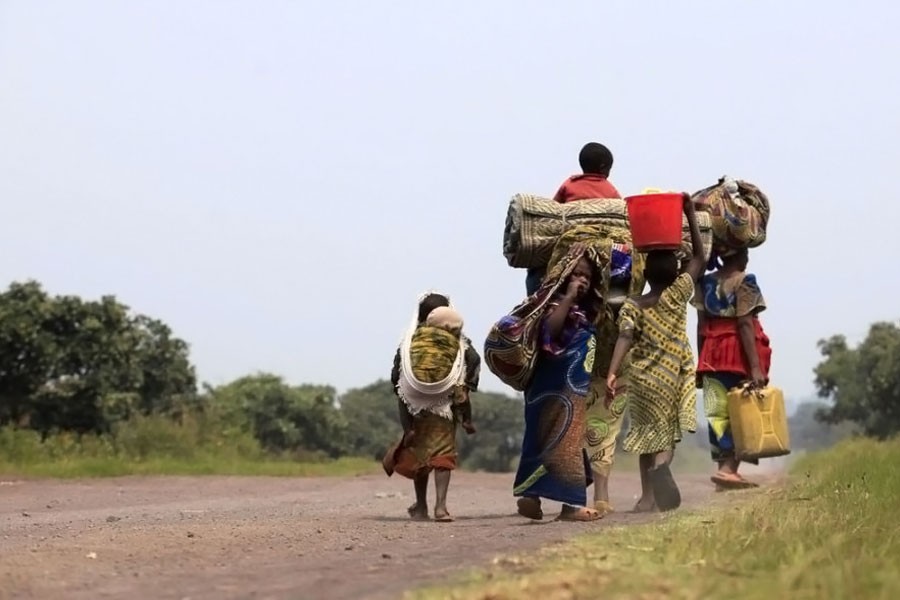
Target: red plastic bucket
(655,221)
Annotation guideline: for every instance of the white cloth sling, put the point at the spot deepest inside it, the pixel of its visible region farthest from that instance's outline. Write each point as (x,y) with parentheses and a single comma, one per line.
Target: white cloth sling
(434,397)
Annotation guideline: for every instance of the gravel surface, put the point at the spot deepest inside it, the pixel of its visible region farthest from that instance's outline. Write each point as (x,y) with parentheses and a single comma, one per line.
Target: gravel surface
(247,537)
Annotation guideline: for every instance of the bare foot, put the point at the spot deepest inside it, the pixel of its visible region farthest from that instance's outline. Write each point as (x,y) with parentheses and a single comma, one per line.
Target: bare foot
(417,514)
(530,508)
(645,505)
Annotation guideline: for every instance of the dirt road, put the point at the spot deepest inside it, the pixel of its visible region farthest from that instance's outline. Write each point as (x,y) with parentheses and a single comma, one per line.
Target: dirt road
(240,537)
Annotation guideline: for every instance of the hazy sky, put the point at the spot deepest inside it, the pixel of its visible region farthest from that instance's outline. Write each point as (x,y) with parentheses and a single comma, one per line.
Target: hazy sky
(279,180)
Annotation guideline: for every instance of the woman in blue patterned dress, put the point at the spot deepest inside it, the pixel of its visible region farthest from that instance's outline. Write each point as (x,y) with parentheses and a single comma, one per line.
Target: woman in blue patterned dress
(554,465)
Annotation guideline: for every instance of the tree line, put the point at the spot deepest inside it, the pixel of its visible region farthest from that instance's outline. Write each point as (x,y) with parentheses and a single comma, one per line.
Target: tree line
(86,366)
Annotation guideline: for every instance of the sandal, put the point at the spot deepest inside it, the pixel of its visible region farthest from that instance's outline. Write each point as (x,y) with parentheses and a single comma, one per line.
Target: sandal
(732,481)
(446,518)
(665,490)
(530,508)
(578,513)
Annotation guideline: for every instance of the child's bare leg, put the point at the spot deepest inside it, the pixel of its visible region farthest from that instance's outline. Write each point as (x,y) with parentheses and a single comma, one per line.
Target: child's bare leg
(441,485)
(647,502)
(601,485)
(728,466)
(465,410)
(601,491)
(419,510)
(663,458)
(665,490)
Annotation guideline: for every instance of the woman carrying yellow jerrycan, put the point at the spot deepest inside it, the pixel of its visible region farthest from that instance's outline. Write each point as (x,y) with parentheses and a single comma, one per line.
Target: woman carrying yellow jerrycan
(733,370)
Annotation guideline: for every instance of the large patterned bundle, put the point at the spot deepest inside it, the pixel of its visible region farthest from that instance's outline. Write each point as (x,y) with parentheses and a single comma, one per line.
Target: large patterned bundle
(534,224)
(432,353)
(511,346)
(739,213)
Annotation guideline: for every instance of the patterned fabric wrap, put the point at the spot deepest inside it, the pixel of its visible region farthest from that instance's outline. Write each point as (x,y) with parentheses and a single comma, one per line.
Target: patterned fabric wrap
(662,396)
(715,403)
(432,353)
(553,463)
(612,247)
(511,347)
(604,424)
(433,447)
(739,214)
(535,224)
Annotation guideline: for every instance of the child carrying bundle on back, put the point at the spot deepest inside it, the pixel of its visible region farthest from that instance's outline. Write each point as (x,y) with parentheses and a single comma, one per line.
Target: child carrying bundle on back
(434,370)
(662,396)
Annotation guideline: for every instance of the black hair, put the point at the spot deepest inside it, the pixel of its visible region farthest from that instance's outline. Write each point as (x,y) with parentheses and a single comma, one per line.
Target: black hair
(739,258)
(431,302)
(595,158)
(661,269)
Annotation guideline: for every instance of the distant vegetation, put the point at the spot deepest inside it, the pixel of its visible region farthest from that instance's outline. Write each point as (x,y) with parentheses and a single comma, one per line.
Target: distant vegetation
(90,381)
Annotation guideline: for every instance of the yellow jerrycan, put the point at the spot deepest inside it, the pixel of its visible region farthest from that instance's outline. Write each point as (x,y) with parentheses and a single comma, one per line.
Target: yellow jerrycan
(758,422)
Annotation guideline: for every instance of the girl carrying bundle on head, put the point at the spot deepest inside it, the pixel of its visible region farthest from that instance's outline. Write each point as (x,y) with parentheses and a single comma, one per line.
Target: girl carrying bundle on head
(661,382)
(733,349)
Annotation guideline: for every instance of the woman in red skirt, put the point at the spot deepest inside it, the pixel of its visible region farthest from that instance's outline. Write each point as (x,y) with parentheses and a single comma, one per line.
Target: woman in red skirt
(733,349)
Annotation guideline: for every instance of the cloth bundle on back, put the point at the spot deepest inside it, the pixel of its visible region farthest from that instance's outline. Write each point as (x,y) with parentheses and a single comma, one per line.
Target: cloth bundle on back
(512,344)
(432,363)
(435,346)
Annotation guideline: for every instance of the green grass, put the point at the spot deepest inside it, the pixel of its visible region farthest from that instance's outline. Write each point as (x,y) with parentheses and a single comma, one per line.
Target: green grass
(831,532)
(207,465)
(157,446)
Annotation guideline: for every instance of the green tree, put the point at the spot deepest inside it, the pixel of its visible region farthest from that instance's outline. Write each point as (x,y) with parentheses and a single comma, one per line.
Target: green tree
(283,417)
(501,423)
(863,383)
(71,364)
(373,422)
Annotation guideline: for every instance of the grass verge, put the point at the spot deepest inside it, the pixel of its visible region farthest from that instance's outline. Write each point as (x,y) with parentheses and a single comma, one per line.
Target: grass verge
(156,446)
(76,467)
(831,532)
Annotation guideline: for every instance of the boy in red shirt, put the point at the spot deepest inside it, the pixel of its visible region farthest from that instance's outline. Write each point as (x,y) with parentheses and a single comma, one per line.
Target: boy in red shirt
(596,162)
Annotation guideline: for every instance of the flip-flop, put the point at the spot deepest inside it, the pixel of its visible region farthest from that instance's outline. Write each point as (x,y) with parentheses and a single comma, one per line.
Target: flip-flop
(530,508)
(732,482)
(665,490)
(579,514)
(445,518)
